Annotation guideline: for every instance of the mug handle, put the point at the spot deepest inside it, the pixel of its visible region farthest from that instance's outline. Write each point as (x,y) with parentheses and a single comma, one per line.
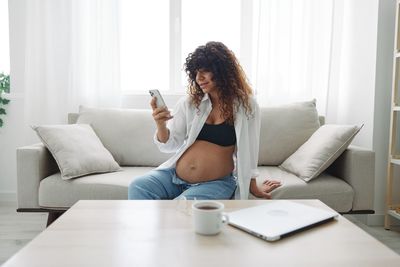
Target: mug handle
(225,218)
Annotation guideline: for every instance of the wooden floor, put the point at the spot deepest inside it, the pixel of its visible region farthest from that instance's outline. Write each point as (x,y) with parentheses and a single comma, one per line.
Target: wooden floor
(17,229)
(390,238)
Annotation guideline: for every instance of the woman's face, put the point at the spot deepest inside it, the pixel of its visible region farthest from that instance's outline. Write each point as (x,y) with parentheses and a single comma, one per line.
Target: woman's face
(204,80)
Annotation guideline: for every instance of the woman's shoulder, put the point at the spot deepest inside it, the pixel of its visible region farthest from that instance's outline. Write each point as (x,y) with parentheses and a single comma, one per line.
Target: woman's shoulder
(252,101)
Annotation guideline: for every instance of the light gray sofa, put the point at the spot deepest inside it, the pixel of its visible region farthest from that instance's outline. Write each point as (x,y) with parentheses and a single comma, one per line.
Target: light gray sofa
(346,186)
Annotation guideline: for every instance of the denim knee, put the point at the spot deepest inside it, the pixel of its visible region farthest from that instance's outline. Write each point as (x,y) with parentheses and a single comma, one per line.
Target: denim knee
(139,189)
(156,184)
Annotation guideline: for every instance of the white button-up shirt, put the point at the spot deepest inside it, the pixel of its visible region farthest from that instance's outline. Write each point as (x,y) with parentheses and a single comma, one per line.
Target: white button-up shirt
(187,124)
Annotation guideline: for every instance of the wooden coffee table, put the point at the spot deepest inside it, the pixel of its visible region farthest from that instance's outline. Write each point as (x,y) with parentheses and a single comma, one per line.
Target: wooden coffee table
(160,233)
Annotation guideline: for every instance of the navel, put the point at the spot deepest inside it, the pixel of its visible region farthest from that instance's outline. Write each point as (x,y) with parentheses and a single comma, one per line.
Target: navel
(192,167)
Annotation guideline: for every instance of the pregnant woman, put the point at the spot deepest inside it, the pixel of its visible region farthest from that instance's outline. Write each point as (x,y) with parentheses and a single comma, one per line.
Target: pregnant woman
(214,134)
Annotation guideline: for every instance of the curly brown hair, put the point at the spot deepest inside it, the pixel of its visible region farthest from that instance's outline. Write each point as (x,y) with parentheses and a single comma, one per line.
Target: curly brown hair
(228,75)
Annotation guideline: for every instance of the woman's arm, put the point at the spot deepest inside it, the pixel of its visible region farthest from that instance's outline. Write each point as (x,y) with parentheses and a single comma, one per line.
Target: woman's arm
(263,190)
(170,136)
(254,136)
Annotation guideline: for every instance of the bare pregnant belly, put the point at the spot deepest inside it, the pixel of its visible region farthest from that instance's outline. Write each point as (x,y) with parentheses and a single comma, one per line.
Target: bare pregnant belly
(205,161)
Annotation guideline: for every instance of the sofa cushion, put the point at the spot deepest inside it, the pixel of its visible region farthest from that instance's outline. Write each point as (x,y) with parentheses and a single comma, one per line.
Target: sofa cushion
(284,129)
(320,151)
(76,149)
(126,133)
(57,193)
(331,190)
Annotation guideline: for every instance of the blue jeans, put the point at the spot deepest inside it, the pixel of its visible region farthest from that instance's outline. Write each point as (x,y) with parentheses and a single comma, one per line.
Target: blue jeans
(165,184)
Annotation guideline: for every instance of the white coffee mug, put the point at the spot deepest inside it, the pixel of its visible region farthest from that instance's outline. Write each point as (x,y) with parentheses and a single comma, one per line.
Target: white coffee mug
(208,217)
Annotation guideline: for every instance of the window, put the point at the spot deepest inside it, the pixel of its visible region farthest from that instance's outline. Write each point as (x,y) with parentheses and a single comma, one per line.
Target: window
(209,20)
(156,41)
(283,45)
(144,45)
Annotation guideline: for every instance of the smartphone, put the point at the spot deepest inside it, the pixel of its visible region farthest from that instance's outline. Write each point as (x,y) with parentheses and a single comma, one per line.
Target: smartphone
(160,101)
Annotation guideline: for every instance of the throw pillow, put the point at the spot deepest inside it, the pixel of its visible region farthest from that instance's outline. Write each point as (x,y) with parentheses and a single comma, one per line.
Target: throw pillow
(126,133)
(284,129)
(320,150)
(76,149)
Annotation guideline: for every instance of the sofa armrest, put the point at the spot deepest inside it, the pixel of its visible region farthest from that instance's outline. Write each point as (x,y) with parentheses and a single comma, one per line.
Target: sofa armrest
(356,166)
(34,163)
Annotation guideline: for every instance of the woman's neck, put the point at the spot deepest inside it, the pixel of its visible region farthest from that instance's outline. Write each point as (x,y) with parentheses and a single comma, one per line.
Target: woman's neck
(214,98)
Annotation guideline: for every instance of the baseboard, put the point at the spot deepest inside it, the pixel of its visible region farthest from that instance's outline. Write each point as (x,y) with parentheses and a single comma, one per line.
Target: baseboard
(8,196)
(374,219)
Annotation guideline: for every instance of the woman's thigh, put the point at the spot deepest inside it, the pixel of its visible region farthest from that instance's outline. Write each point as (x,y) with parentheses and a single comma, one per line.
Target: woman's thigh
(156,184)
(218,189)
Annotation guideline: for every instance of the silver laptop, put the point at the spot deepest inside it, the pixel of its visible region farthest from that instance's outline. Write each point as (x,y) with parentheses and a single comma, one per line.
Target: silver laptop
(278,219)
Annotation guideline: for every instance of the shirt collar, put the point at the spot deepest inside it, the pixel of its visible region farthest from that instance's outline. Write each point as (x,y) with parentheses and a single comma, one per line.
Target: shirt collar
(205,97)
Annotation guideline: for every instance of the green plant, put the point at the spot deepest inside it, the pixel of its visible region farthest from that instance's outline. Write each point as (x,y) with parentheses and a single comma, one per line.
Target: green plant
(4,87)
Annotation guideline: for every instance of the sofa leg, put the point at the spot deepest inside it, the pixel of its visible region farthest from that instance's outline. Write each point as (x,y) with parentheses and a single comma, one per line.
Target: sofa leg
(53,215)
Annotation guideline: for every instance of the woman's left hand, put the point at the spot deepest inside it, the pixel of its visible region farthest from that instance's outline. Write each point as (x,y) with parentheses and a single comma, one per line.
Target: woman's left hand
(263,190)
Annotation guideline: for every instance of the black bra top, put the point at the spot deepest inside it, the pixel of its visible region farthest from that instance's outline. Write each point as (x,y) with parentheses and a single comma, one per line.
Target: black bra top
(221,134)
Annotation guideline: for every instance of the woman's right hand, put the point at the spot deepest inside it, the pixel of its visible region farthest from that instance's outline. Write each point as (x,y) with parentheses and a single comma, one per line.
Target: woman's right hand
(263,190)
(160,115)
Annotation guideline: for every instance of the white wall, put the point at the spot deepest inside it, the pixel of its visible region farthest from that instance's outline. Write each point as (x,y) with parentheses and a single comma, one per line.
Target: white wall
(4,46)
(384,67)
(11,134)
(10,139)
(6,184)
(362,74)
(4,67)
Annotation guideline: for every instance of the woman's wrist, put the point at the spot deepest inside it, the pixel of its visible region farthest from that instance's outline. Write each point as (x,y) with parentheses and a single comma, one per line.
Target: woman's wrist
(162,134)
(253,186)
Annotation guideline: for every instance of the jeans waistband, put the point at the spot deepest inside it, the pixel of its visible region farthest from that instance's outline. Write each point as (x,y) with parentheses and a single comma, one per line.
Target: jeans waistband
(179,181)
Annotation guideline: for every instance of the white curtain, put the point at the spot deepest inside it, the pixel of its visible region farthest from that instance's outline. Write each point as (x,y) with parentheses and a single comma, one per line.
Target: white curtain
(4,44)
(292,51)
(71,58)
(72,54)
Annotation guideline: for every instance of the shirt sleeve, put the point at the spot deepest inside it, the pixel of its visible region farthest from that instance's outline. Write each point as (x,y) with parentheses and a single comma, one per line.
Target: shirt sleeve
(177,128)
(254,136)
